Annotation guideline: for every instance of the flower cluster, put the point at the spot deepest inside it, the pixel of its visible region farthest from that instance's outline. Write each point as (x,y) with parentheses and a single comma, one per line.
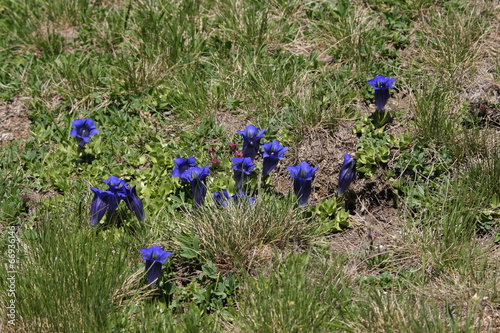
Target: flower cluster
(243,165)
(107,201)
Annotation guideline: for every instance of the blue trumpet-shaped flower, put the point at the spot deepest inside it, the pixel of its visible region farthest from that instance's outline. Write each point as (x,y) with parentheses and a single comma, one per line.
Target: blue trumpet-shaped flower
(224,199)
(196,177)
(182,164)
(155,257)
(273,153)
(347,173)
(251,141)
(302,175)
(83,130)
(107,201)
(242,167)
(381,84)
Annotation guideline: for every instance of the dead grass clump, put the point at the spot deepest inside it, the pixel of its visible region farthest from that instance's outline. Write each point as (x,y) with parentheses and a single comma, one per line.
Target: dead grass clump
(245,235)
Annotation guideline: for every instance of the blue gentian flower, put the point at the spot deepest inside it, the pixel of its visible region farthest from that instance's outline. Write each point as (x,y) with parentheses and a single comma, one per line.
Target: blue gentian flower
(106,202)
(224,199)
(347,173)
(155,257)
(182,164)
(302,175)
(83,130)
(196,177)
(381,84)
(273,153)
(251,141)
(241,196)
(242,167)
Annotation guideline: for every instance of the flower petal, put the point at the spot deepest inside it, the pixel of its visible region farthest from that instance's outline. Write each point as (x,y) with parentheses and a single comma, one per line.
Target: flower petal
(98,207)
(153,271)
(347,173)
(134,203)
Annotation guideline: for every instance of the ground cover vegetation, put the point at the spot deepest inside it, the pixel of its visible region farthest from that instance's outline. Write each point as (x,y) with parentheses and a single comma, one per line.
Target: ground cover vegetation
(249,166)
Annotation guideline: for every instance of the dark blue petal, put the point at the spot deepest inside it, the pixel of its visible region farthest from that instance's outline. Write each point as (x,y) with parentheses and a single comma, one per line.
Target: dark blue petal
(82,141)
(241,196)
(251,141)
(113,201)
(243,164)
(153,271)
(269,164)
(347,173)
(83,130)
(274,149)
(195,173)
(381,98)
(381,84)
(196,177)
(239,177)
(155,253)
(115,183)
(199,191)
(98,206)
(273,152)
(250,150)
(302,171)
(183,164)
(302,189)
(221,198)
(134,203)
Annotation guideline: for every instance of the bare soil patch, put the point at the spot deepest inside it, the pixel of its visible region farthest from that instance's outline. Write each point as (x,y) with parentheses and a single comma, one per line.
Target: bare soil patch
(233,121)
(14,121)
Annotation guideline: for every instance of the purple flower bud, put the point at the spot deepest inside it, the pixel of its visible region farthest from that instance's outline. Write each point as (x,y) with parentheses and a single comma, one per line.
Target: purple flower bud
(233,146)
(347,173)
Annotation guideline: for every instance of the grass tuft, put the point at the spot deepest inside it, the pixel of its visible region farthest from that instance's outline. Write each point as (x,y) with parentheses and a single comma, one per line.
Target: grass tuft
(243,235)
